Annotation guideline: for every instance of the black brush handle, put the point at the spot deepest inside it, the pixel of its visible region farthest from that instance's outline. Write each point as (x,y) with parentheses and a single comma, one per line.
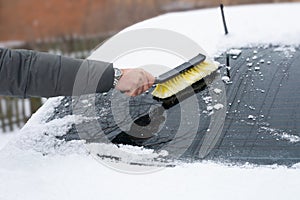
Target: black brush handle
(180,69)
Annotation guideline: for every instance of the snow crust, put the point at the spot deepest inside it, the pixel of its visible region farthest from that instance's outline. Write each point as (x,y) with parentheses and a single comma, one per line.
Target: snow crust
(69,172)
(29,177)
(248,25)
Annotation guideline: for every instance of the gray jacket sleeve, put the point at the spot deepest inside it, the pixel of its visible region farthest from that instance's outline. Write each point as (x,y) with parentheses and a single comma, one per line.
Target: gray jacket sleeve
(25,73)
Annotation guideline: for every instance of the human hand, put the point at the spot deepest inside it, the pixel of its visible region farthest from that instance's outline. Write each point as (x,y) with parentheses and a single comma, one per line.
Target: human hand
(135,81)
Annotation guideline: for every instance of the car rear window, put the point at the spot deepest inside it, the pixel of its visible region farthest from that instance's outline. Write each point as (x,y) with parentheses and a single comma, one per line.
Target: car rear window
(261,113)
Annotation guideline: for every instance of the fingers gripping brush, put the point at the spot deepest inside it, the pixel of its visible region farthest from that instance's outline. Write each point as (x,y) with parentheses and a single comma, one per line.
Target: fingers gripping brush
(183,76)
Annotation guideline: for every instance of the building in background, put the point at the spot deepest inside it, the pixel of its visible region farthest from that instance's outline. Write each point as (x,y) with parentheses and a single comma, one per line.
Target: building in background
(33,20)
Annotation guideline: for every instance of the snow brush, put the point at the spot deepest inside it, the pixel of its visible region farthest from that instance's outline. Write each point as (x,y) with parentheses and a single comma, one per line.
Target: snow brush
(183,76)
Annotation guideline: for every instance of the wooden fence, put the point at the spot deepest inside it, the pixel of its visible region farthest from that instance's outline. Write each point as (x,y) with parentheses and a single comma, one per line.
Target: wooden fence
(14,112)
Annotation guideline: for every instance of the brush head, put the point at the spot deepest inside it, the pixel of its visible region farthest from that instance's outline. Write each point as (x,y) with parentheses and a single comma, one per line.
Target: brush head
(184,80)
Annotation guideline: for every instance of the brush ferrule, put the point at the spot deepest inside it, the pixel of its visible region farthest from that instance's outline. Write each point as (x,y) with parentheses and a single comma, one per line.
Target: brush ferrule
(181,68)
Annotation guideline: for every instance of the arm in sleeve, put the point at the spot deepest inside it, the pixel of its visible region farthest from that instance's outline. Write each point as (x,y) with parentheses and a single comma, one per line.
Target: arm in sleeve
(25,73)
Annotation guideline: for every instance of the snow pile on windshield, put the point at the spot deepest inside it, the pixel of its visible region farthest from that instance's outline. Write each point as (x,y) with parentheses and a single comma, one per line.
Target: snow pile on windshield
(40,136)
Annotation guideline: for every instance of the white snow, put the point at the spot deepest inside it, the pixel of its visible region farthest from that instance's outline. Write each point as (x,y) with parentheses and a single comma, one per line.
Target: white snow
(218,106)
(257,68)
(282,134)
(285,49)
(251,107)
(234,52)
(207,99)
(5,138)
(33,177)
(250,64)
(248,25)
(210,108)
(226,79)
(69,172)
(250,117)
(217,91)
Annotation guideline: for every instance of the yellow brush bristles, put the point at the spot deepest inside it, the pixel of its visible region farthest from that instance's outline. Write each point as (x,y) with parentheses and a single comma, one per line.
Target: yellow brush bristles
(184,80)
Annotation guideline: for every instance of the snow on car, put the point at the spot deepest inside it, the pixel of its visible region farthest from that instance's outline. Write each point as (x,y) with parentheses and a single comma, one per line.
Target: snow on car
(256,146)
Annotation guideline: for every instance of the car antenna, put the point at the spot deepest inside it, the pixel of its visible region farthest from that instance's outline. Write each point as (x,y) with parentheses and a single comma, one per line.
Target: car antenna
(223,18)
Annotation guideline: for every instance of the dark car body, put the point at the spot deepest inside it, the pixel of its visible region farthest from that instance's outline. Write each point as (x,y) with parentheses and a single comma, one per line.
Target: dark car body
(261,116)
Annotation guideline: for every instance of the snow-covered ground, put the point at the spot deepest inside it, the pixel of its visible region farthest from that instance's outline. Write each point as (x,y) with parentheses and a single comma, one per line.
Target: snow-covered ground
(5,138)
(71,173)
(11,44)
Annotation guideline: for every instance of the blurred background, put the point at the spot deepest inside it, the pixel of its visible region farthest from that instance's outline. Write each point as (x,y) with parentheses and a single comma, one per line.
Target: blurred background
(73,28)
